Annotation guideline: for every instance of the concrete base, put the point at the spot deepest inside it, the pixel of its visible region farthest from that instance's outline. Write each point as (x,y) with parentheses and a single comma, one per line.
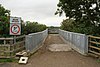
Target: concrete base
(59,47)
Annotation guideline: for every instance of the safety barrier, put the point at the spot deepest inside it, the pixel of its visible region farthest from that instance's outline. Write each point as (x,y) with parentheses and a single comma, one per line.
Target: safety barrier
(78,42)
(34,41)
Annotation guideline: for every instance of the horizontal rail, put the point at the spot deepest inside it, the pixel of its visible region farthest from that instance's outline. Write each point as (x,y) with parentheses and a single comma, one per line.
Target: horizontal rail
(20,37)
(12,38)
(12,44)
(94,52)
(94,55)
(94,47)
(94,42)
(6,38)
(94,37)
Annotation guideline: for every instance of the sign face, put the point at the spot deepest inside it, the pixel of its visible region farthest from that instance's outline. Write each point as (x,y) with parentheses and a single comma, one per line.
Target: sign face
(15,25)
(15,29)
(15,20)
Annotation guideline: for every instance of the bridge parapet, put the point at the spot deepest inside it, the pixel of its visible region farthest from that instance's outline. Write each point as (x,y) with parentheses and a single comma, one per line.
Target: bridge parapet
(78,42)
(34,40)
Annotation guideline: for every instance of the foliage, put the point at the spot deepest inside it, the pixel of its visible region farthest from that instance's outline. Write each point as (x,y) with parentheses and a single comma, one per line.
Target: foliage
(67,25)
(85,13)
(4,21)
(71,25)
(32,27)
(7,60)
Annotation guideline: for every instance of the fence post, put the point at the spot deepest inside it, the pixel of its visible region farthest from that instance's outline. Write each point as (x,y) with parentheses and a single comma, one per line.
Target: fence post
(9,51)
(4,41)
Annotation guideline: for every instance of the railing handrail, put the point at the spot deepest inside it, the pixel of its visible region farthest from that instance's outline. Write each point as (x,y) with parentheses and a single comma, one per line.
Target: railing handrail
(72,32)
(37,32)
(93,37)
(6,38)
(11,38)
(20,36)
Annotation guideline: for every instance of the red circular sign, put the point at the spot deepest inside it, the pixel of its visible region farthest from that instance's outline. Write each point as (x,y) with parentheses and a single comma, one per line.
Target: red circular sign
(15,29)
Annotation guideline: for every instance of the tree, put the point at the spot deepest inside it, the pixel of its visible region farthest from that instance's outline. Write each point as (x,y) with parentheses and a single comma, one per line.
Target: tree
(32,27)
(4,21)
(84,12)
(67,25)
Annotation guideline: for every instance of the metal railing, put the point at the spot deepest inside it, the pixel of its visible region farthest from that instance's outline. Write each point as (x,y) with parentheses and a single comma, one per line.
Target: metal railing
(33,41)
(78,42)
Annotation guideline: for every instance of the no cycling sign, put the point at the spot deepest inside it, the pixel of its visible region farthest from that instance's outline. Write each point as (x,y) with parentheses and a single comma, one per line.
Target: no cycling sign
(15,26)
(15,29)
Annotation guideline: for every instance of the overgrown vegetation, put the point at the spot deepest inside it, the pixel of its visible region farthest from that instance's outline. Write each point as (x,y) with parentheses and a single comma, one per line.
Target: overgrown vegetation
(28,27)
(83,16)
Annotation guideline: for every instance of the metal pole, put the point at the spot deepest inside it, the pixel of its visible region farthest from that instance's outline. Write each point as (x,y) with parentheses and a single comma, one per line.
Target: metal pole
(14,39)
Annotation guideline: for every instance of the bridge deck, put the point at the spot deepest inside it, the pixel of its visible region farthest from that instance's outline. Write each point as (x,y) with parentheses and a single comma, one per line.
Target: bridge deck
(45,58)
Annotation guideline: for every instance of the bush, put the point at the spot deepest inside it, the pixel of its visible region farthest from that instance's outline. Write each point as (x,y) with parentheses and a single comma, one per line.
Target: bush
(32,27)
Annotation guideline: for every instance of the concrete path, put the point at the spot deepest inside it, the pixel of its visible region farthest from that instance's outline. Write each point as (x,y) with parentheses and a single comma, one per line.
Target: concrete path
(46,58)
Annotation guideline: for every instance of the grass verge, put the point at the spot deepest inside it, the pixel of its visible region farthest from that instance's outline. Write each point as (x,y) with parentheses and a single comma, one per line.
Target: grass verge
(3,60)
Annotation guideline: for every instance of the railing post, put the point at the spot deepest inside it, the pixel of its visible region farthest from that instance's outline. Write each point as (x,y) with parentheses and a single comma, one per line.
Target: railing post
(4,41)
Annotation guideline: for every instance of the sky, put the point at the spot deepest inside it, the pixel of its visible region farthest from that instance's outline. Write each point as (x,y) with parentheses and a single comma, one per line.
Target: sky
(41,11)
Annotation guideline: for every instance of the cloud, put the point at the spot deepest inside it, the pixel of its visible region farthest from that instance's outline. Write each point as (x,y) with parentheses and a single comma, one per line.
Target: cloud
(38,10)
(52,21)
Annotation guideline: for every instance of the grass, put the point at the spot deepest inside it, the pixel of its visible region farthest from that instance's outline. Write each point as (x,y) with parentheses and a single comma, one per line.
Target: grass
(4,60)
(98,60)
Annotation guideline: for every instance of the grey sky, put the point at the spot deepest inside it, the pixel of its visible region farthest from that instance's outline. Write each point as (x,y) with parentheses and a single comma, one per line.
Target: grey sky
(41,11)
